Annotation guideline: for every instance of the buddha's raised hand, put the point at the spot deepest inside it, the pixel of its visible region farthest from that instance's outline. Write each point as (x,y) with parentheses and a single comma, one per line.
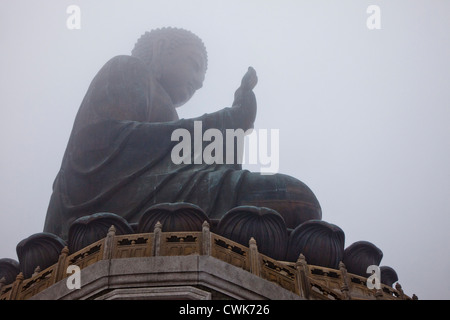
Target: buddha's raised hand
(244,96)
(249,80)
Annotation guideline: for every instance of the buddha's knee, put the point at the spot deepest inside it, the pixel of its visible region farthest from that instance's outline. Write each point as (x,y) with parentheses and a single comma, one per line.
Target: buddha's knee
(293,199)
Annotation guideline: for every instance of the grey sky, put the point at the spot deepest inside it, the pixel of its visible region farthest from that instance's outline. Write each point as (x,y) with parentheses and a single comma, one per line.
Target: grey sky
(363,114)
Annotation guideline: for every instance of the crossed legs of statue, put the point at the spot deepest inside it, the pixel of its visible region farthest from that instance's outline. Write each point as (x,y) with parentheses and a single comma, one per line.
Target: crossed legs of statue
(287,195)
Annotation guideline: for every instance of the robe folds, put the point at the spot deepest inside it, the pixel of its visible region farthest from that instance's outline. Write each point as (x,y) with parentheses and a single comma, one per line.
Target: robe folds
(118,158)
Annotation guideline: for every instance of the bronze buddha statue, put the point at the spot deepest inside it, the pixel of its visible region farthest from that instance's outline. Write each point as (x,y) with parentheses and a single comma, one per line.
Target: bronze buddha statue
(118,155)
(118,170)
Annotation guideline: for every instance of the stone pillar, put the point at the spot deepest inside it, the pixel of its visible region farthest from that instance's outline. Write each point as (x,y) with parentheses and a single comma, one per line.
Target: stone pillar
(2,283)
(16,286)
(379,294)
(398,287)
(206,239)
(255,266)
(157,239)
(61,268)
(345,282)
(304,286)
(36,271)
(108,248)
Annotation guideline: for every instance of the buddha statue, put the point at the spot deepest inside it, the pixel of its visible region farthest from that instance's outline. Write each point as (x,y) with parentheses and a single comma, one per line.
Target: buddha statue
(118,170)
(118,157)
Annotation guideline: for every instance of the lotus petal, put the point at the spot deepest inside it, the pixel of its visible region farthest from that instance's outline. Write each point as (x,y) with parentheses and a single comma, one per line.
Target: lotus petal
(40,249)
(265,225)
(388,276)
(360,255)
(180,216)
(321,243)
(9,269)
(88,229)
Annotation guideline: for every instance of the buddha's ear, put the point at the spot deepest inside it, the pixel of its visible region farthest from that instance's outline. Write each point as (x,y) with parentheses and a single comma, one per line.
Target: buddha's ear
(159,47)
(157,56)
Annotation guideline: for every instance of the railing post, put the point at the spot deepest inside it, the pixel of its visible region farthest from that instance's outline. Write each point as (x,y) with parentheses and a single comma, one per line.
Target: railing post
(255,267)
(36,271)
(61,267)
(303,277)
(206,239)
(2,283)
(108,248)
(378,294)
(16,286)
(345,287)
(398,287)
(157,243)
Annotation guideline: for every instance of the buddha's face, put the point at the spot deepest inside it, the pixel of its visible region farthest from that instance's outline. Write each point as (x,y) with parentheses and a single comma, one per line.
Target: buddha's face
(183,73)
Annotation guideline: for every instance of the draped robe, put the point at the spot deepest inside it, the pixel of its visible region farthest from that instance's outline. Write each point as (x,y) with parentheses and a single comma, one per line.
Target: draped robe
(118,158)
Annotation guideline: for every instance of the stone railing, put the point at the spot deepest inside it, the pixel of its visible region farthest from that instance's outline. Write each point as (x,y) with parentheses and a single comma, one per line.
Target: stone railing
(308,281)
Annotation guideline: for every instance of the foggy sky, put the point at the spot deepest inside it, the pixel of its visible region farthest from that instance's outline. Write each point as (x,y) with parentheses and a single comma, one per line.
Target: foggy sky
(363,115)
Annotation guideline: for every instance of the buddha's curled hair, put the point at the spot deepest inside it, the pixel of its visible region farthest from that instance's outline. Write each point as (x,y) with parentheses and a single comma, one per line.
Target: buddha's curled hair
(172,37)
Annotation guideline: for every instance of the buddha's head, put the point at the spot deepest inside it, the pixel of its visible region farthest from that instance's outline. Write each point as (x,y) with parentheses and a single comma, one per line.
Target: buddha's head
(176,58)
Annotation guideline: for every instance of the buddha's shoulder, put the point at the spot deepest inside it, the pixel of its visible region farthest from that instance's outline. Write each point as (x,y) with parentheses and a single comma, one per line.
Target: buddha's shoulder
(123,66)
(126,59)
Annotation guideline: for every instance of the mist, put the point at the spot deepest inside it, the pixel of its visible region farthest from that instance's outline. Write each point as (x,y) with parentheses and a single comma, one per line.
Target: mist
(362,114)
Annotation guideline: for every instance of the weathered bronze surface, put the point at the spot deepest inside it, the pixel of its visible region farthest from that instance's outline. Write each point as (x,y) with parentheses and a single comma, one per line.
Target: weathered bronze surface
(38,250)
(118,158)
(9,269)
(361,254)
(321,243)
(173,217)
(88,229)
(266,226)
(388,275)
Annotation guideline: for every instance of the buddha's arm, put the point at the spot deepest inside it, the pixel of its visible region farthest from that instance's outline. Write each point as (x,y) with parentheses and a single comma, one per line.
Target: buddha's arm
(243,112)
(119,91)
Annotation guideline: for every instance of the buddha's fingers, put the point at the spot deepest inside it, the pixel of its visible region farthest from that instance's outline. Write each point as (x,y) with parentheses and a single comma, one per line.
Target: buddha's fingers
(249,80)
